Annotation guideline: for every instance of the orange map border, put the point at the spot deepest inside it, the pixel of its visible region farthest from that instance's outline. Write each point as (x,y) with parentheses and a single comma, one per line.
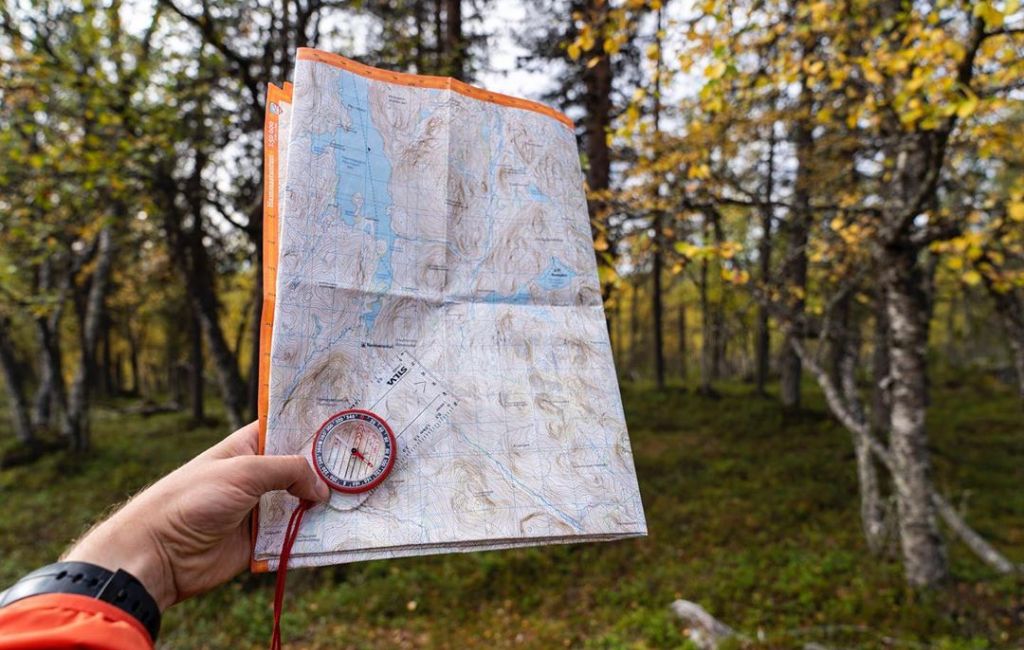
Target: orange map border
(428,81)
(271,248)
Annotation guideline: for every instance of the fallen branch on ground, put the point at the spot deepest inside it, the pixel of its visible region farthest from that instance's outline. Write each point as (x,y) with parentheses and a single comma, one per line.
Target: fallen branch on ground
(707,632)
(704,630)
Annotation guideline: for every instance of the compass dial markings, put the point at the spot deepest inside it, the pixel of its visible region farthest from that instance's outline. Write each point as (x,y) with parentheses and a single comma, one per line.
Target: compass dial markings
(354,450)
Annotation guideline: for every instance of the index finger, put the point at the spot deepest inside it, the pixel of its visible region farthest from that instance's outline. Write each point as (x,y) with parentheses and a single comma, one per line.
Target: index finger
(244,442)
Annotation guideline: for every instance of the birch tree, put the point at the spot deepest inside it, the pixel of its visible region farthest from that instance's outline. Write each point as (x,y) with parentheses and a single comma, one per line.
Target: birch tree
(886,100)
(71,71)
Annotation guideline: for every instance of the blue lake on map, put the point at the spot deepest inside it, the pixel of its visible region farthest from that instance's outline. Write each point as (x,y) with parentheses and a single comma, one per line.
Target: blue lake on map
(556,276)
(362,169)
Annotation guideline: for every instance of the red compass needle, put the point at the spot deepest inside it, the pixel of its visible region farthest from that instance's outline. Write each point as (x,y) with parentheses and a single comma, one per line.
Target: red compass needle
(355,452)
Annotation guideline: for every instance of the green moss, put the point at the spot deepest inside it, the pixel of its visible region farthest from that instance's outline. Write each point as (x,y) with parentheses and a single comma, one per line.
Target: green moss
(752,513)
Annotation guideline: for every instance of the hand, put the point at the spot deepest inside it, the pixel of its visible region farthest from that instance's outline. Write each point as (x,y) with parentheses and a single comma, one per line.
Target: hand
(190,531)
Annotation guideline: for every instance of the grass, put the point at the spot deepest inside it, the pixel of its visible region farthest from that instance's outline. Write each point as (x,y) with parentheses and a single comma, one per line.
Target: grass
(752,513)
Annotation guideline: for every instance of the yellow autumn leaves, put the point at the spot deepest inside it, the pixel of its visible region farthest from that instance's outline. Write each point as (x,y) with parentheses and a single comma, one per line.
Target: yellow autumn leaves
(726,250)
(980,254)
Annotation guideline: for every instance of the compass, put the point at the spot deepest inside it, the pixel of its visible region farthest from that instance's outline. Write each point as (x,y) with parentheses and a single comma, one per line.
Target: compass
(354,451)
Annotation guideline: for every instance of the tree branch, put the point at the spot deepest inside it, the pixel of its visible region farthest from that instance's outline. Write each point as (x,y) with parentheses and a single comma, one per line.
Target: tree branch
(985,551)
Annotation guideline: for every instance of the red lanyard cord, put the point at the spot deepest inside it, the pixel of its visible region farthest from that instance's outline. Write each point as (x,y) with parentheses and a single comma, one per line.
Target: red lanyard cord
(291,533)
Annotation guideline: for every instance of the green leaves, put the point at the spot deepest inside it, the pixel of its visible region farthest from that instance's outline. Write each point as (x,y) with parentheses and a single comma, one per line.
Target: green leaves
(74,133)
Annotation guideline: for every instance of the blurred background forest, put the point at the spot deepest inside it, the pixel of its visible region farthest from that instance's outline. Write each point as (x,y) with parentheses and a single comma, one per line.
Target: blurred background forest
(809,227)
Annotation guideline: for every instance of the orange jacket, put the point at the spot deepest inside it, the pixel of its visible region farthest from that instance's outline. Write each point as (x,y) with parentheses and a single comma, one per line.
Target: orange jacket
(69,622)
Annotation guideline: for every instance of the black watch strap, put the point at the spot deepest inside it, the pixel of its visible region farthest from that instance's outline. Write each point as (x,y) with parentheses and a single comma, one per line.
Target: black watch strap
(120,589)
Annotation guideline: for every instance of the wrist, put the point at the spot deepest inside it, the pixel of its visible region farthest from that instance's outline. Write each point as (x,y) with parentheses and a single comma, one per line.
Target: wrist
(133,549)
(88,582)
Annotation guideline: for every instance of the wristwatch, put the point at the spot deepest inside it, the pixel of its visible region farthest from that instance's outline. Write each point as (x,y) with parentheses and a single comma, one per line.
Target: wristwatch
(119,588)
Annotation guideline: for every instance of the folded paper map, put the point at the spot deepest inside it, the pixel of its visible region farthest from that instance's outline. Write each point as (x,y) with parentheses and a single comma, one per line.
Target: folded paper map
(428,257)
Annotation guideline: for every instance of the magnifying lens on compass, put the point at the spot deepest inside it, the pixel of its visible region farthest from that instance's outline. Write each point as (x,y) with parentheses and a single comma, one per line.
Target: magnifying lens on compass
(354,451)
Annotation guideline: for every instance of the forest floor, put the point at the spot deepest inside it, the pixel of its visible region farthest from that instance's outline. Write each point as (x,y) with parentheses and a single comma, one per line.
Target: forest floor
(752,513)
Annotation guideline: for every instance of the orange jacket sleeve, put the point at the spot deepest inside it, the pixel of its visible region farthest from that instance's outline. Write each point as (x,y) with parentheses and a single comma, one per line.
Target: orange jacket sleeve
(69,621)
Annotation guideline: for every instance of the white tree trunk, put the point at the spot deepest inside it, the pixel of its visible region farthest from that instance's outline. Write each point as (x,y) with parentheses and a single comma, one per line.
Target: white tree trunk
(51,396)
(985,551)
(78,400)
(872,512)
(924,556)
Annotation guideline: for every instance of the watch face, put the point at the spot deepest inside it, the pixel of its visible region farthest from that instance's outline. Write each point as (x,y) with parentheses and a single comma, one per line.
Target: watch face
(354,451)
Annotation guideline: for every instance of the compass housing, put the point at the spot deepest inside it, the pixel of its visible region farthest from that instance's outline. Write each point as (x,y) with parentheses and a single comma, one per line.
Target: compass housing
(381,433)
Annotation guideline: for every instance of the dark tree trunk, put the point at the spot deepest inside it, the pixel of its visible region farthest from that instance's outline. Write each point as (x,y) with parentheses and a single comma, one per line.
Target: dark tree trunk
(794,268)
(597,119)
(20,419)
(719,340)
(118,374)
(206,309)
(192,259)
(45,401)
(51,396)
(252,62)
(107,359)
(657,325)
(178,377)
(952,349)
(439,35)
(634,326)
(789,363)
(254,361)
(42,402)
(707,342)
(195,369)
(707,345)
(924,558)
(620,328)
(659,227)
(613,328)
(837,338)
(880,394)
(455,44)
(969,325)
(418,19)
(597,102)
(1010,307)
(173,363)
(683,352)
(234,390)
(133,362)
(762,341)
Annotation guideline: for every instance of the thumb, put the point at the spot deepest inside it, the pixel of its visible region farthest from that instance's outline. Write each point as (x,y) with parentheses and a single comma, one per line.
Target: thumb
(257,475)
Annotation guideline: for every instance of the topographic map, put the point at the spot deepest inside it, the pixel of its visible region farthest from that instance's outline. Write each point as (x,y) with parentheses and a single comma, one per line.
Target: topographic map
(432,262)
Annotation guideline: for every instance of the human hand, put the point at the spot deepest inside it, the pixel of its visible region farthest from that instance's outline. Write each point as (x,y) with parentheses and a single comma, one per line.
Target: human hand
(190,531)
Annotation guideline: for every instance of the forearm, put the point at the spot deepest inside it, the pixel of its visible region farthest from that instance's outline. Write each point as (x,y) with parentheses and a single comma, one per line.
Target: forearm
(184,535)
(124,541)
